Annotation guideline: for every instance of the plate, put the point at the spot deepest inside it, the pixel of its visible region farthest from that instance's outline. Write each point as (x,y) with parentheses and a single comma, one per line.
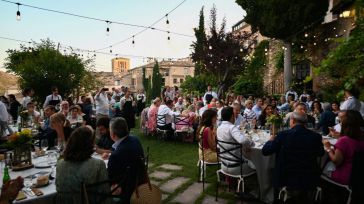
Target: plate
(42,165)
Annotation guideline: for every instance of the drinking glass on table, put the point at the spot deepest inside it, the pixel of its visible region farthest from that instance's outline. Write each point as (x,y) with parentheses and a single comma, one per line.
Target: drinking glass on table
(44,144)
(52,160)
(28,182)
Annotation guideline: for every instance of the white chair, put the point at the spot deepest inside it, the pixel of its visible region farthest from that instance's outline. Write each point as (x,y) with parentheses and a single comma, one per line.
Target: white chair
(347,187)
(225,153)
(185,132)
(161,121)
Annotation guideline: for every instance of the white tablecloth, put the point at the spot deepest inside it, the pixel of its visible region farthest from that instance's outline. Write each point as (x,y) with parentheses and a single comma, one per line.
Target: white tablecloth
(49,191)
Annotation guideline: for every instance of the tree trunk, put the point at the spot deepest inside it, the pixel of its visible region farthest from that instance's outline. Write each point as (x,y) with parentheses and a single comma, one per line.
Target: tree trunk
(287,65)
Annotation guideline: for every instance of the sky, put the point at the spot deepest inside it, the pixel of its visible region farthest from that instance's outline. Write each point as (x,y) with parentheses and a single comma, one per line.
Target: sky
(91,35)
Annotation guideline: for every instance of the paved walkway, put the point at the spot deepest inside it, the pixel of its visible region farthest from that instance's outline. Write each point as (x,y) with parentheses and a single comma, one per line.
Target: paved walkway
(188,190)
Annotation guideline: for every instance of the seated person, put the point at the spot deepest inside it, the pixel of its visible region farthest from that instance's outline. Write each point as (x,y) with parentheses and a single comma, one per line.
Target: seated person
(10,190)
(228,132)
(104,143)
(327,119)
(75,118)
(164,117)
(188,120)
(237,114)
(128,153)
(152,115)
(33,115)
(267,112)
(207,136)
(78,166)
(350,141)
(61,125)
(297,151)
(45,130)
(249,115)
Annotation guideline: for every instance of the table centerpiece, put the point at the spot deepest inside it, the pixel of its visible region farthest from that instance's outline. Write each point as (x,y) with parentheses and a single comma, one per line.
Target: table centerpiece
(276,122)
(21,143)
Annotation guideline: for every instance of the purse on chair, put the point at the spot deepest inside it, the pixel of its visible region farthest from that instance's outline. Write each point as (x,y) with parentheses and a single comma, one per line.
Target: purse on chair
(146,193)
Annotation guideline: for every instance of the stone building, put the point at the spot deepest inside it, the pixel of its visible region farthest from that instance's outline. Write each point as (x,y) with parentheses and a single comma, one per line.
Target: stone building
(120,66)
(173,72)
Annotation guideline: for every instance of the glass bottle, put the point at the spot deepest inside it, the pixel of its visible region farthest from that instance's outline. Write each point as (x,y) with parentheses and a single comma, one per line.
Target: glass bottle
(6,176)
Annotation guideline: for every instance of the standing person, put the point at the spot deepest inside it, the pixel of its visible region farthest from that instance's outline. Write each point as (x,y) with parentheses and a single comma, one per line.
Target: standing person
(111,102)
(102,104)
(351,102)
(127,109)
(14,107)
(54,99)
(141,98)
(87,110)
(292,93)
(27,97)
(209,95)
(335,107)
(4,118)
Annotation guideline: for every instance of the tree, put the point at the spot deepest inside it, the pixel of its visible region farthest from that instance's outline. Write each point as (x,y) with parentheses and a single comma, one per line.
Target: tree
(343,67)
(224,55)
(247,84)
(146,85)
(284,19)
(157,81)
(43,66)
(199,47)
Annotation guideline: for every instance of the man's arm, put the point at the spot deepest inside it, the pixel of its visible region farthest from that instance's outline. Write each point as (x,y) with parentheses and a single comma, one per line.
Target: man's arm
(46,102)
(272,146)
(240,137)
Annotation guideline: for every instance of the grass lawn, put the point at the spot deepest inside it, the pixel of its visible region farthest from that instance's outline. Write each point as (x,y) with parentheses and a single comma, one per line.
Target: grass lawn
(183,154)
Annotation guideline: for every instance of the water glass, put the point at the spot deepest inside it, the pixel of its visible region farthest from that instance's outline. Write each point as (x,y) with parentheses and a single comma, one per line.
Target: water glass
(28,182)
(44,144)
(52,160)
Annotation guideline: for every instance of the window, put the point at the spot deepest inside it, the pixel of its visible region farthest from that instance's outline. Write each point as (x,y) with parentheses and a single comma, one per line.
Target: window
(181,81)
(133,81)
(186,71)
(175,81)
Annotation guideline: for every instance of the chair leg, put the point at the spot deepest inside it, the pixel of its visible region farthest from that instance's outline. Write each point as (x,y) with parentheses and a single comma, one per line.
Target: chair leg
(203,175)
(239,182)
(199,171)
(217,184)
(349,197)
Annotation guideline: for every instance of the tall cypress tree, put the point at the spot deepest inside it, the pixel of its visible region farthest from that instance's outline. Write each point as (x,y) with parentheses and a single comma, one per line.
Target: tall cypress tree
(200,45)
(156,81)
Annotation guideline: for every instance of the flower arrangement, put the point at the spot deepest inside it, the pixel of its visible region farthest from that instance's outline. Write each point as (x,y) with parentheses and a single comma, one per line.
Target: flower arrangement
(24,115)
(19,139)
(275,119)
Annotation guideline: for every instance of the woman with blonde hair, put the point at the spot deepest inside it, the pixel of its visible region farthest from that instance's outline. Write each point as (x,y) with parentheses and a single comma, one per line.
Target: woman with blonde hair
(62,127)
(152,115)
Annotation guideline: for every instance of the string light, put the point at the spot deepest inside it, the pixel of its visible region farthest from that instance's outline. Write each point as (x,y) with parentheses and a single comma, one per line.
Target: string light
(306,35)
(314,44)
(241,49)
(167,21)
(18,17)
(133,42)
(301,46)
(168,38)
(107,28)
(210,47)
(110,49)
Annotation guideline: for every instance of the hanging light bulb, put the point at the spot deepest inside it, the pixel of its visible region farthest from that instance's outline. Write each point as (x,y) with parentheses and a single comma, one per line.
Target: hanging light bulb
(241,49)
(133,42)
(210,47)
(306,35)
(107,28)
(18,17)
(167,21)
(169,37)
(314,44)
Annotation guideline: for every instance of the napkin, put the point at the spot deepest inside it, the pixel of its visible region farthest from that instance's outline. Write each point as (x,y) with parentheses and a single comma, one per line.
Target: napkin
(21,196)
(37,192)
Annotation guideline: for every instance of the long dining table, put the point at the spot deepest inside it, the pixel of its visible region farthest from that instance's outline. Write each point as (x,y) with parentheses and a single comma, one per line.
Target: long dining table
(265,164)
(40,168)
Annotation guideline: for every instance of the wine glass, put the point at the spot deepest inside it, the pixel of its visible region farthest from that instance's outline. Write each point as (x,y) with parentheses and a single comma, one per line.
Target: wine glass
(59,146)
(52,160)
(28,182)
(44,144)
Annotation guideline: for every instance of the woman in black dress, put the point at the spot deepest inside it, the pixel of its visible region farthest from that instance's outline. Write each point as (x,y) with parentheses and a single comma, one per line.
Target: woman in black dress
(127,110)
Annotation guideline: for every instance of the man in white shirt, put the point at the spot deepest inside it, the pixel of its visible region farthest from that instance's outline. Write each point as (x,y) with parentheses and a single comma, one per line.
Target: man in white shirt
(111,102)
(350,103)
(4,117)
(258,107)
(54,99)
(179,105)
(102,104)
(228,132)
(165,117)
(249,115)
(168,95)
(209,95)
(28,94)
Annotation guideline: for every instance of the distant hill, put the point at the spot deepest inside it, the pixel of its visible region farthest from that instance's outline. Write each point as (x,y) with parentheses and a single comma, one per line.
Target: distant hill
(7,81)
